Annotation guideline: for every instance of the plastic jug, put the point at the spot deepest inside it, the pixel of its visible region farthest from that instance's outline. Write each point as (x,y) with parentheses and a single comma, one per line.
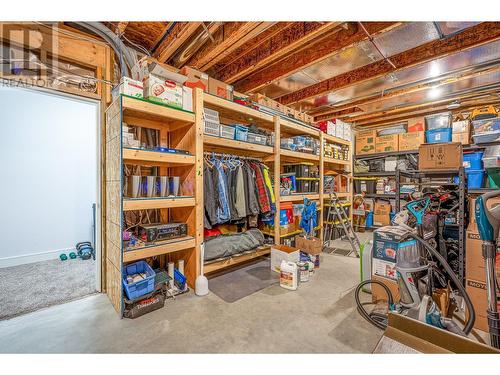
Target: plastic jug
(289,275)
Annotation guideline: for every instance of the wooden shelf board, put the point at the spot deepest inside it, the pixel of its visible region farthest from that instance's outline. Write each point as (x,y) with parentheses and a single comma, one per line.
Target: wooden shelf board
(218,144)
(288,155)
(333,139)
(238,112)
(298,197)
(329,160)
(145,109)
(339,195)
(166,247)
(292,128)
(131,204)
(156,158)
(218,265)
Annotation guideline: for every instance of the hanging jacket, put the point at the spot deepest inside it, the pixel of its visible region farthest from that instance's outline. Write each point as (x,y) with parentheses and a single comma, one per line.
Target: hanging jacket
(267,180)
(262,196)
(223,213)
(240,203)
(209,198)
(251,190)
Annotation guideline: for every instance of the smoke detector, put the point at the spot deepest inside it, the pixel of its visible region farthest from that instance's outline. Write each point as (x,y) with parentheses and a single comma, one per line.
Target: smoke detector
(456,104)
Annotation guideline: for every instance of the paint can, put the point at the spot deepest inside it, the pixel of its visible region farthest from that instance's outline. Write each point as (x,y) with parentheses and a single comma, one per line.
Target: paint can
(310,267)
(303,271)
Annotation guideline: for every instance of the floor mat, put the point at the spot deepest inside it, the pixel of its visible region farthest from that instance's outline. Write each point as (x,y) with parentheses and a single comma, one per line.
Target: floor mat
(33,286)
(242,282)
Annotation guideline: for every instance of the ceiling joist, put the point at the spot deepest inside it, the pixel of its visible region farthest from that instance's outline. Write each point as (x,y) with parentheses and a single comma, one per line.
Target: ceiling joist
(482,33)
(290,38)
(225,40)
(173,40)
(332,42)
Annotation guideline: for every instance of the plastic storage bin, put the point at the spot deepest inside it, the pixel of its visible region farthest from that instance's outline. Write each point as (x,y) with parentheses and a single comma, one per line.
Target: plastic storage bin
(440,135)
(473,160)
(227,131)
(475,179)
(490,125)
(241,133)
(369,219)
(438,121)
(211,128)
(139,288)
(300,170)
(365,185)
(493,177)
(257,138)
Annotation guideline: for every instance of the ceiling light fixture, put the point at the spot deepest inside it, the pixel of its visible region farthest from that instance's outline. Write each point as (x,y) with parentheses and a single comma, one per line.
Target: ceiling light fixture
(456,104)
(434,92)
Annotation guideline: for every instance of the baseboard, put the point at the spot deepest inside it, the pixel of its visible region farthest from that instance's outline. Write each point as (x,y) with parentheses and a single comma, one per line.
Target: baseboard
(32,258)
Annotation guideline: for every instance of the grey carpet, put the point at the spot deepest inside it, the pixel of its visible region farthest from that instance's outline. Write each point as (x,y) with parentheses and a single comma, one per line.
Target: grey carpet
(33,286)
(242,282)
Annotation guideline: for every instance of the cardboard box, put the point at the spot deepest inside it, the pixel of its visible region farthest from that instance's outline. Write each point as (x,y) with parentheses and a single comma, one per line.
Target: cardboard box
(463,138)
(220,88)
(289,112)
(387,143)
(411,141)
(195,78)
(416,124)
(187,98)
(381,213)
(365,142)
(414,336)
(130,87)
(440,156)
(280,253)
(163,91)
(386,244)
(477,294)
(312,245)
(149,65)
(474,262)
(379,293)
(460,126)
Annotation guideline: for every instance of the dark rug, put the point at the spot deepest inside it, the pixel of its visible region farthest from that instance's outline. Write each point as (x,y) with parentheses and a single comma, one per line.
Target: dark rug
(244,281)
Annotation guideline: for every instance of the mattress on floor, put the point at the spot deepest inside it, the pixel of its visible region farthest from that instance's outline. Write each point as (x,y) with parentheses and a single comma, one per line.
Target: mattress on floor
(228,245)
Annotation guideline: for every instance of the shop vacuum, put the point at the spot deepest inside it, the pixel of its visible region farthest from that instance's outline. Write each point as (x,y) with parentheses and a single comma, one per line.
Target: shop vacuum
(488,223)
(416,269)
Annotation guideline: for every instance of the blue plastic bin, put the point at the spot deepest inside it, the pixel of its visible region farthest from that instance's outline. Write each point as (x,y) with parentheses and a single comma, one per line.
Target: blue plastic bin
(438,135)
(139,288)
(475,178)
(473,161)
(369,219)
(241,133)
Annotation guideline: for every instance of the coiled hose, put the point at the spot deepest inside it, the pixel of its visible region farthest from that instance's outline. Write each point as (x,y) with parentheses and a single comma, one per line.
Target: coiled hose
(380,321)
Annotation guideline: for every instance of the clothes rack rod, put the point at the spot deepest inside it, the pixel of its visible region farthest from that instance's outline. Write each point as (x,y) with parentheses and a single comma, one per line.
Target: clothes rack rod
(208,153)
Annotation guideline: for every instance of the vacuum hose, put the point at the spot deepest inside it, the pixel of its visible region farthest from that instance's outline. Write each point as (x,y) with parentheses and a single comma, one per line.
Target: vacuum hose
(472,314)
(380,321)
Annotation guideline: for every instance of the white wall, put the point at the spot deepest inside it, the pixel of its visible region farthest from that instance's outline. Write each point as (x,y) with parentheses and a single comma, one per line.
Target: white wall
(48,174)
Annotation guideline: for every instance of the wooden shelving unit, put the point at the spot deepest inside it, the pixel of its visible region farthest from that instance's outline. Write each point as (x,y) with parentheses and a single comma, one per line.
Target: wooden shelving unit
(177,129)
(184,131)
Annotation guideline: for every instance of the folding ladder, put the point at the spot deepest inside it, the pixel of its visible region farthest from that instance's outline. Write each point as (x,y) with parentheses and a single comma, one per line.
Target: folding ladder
(337,219)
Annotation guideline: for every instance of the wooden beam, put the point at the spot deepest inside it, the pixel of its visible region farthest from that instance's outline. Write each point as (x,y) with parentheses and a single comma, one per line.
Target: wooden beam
(120,28)
(338,114)
(290,38)
(330,44)
(474,36)
(179,33)
(228,38)
(249,46)
(334,111)
(400,114)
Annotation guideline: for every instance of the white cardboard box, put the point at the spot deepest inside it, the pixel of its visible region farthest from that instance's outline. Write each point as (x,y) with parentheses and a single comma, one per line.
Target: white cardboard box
(280,253)
(330,128)
(187,98)
(164,91)
(130,87)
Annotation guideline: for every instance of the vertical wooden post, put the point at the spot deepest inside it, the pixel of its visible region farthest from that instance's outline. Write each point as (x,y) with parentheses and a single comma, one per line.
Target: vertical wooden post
(277,172)
(198,111)
(321,183)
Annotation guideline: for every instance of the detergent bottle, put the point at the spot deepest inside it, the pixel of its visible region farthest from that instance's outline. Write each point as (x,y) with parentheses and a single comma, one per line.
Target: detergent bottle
(289,275)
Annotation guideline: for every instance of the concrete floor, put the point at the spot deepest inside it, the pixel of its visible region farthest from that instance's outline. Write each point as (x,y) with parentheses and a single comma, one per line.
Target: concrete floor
(320,317)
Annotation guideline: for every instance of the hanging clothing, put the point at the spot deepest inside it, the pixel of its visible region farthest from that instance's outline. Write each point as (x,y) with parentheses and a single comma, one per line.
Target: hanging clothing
(223,213)
(267,180)
(251,190)
(240,203)
(262,196)
(209,198)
